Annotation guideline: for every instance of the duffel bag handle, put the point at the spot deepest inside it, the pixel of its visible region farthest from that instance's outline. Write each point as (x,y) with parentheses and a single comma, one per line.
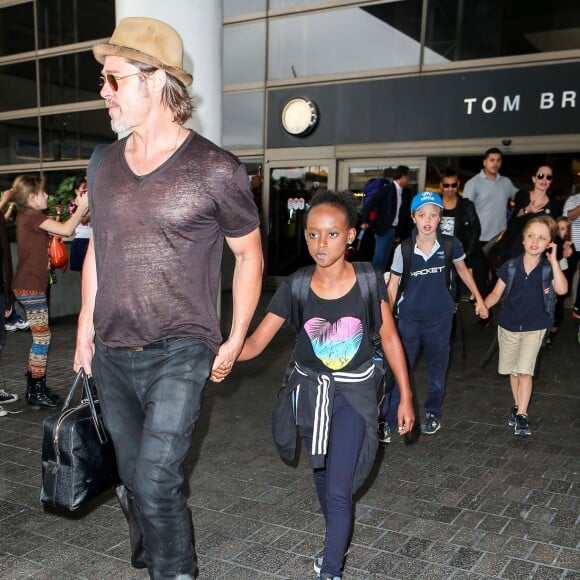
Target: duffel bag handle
(88,395)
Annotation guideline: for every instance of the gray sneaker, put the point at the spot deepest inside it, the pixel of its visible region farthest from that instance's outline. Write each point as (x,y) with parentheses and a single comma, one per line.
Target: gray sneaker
(522,425)
(7,397)
(512,419)
(22,324)
(430,425)
(318,562)
(384,432)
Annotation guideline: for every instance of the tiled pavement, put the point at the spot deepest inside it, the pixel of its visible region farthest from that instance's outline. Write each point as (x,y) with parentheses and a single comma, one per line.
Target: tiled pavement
(472,501)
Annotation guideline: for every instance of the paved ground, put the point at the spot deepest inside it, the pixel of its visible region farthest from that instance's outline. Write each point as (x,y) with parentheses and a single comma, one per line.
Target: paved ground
(473,501)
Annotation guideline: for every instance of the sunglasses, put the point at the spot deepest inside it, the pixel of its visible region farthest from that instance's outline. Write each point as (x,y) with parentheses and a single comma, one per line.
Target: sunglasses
(113,81)
(545,176)
(447,185)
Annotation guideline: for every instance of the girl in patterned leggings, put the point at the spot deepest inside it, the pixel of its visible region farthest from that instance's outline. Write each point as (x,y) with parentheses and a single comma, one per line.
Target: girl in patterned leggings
(31,277)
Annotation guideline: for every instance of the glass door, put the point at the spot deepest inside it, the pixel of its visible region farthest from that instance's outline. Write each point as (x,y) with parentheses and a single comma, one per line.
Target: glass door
(354,173)
(290,186)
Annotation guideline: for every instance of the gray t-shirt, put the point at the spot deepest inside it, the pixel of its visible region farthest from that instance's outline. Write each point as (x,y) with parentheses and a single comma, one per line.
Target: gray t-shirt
(159,239)
(490,198)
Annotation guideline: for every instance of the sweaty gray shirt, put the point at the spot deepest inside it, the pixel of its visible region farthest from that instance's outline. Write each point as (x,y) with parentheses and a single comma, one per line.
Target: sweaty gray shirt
(490,198)
(159,239)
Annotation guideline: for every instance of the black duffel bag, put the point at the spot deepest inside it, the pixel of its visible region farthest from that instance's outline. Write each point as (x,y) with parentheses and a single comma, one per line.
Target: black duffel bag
(78,458)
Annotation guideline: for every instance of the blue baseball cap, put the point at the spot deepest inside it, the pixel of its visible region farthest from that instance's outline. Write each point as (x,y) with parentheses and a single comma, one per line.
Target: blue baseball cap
(424,198)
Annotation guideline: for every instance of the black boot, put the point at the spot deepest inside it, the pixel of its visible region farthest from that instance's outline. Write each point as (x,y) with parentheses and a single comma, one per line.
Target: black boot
(28,397)
(38,395)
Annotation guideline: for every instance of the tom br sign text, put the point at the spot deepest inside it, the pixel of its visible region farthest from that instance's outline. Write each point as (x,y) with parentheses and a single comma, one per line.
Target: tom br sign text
(512,103)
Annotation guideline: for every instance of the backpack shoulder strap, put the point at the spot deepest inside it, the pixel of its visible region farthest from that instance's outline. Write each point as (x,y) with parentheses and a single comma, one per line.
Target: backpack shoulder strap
(448,245)
(94,163)
(92,169)
(299,286)
(406,252)
(548,288)
(366,277)
(511,270)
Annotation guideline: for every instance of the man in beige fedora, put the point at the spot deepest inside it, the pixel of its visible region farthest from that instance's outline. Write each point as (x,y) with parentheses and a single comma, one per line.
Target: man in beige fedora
(163,199)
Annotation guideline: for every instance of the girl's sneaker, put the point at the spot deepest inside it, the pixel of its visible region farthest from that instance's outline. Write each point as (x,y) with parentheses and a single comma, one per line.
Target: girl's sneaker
(512,419)
(318,561)
(522,425)
(430,425)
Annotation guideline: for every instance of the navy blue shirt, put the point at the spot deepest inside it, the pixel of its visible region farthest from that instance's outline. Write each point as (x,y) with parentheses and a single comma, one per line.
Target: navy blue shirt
(524,308)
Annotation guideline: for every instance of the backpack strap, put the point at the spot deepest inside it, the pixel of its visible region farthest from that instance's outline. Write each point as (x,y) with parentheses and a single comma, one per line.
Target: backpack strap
(511,272)
(448,243)
(366,277)
(299,286)
(406,252)
(548,289)
(94,163)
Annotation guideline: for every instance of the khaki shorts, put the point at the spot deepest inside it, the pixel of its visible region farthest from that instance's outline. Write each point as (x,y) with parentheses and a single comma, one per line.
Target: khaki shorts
(518,351)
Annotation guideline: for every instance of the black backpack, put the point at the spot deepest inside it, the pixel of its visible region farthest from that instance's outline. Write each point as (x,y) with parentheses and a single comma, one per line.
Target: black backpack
(371,188)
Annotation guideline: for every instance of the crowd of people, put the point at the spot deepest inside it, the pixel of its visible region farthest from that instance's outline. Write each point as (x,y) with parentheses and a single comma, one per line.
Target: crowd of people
(518,245)
(149,334)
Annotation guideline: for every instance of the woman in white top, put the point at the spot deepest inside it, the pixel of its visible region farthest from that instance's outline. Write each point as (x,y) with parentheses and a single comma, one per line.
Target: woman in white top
(80,243)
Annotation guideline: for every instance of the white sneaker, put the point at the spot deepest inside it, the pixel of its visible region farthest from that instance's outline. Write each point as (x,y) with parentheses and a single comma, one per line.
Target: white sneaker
(7,397)
(3,413)
(22,324)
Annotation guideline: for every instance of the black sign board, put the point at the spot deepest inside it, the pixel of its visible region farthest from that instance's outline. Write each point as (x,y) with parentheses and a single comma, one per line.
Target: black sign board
(520,101)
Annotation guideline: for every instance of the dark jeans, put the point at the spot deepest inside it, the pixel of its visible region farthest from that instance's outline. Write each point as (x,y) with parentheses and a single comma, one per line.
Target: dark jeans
(482,273)
(151,400)
(383,248)
(434,336)
(560,300)
(334,482)
(575,263)
(2,320)
(78,251)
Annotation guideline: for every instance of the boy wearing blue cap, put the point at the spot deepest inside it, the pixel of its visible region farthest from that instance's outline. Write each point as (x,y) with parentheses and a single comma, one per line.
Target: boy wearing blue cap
(425,306)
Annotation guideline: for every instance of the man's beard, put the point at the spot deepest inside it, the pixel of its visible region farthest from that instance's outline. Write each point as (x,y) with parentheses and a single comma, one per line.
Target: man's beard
(120,126)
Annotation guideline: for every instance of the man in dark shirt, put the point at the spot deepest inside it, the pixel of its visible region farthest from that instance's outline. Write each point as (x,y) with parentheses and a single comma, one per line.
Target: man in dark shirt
(163,200)
(392,221)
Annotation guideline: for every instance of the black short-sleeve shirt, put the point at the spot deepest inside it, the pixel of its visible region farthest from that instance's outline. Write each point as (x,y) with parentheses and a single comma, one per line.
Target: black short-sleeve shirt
(334,336)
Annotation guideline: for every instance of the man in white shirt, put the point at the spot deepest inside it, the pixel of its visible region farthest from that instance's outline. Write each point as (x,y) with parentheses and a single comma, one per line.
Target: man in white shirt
(490,192)
(572,212)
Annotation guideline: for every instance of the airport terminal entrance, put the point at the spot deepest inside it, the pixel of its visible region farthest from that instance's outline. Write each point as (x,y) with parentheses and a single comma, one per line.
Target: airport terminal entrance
(290,184)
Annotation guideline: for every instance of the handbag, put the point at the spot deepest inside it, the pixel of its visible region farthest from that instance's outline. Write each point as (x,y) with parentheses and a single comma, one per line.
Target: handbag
(493,250)
(78,458)
(57,253)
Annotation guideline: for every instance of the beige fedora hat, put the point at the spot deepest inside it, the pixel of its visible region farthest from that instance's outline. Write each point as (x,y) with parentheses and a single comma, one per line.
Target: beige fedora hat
(146,40)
